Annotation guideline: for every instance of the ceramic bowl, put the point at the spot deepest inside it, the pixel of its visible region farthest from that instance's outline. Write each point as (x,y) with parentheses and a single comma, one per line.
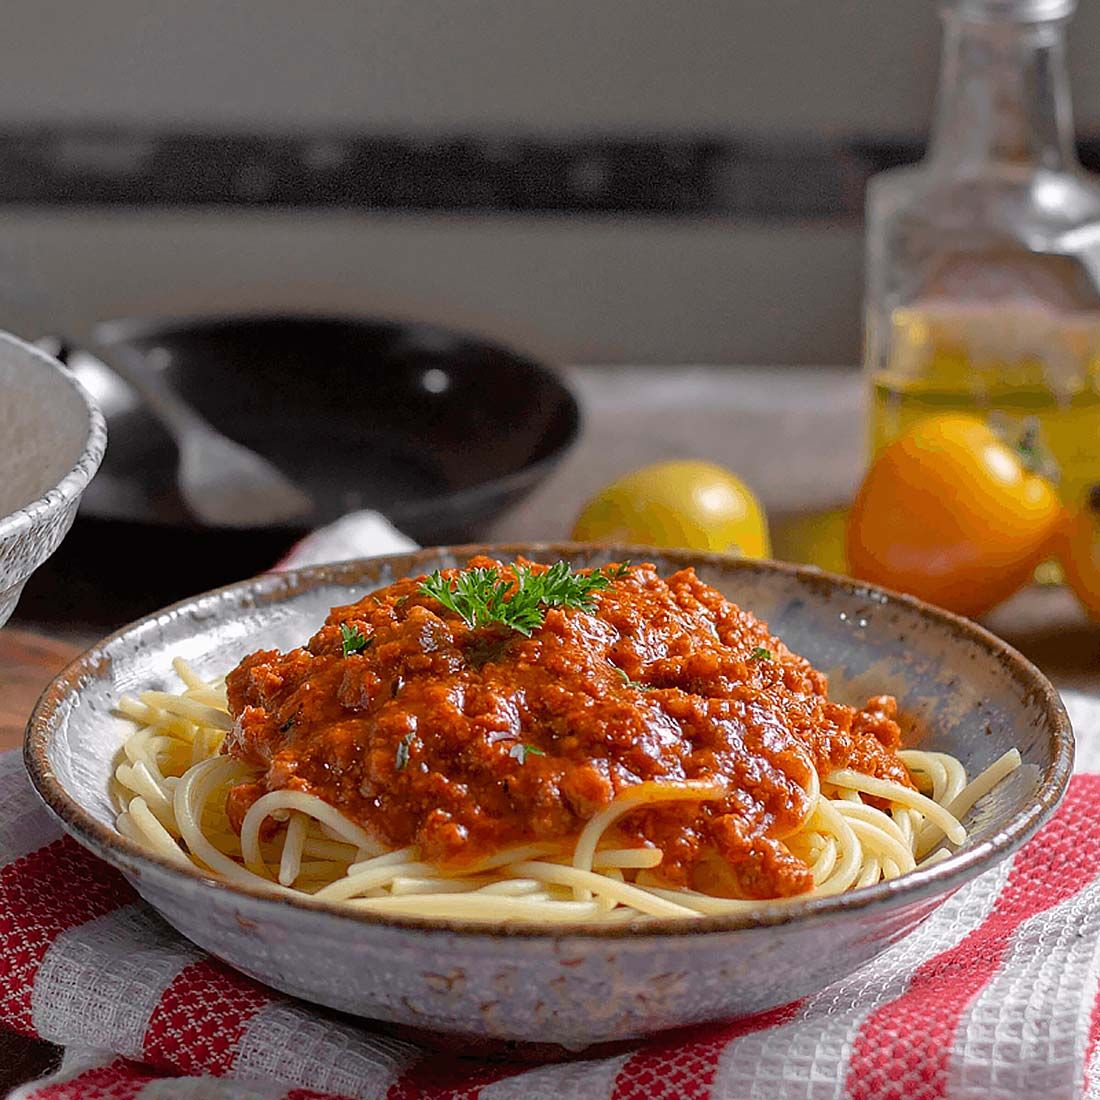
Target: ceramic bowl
(968,692)
(52,439)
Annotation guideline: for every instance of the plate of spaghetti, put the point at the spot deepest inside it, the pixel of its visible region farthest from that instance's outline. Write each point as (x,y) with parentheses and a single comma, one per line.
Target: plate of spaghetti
(550,793)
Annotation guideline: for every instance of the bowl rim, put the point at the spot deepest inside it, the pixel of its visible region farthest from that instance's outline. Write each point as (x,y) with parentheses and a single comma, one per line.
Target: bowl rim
(938,879)
(73,484)
(122,330)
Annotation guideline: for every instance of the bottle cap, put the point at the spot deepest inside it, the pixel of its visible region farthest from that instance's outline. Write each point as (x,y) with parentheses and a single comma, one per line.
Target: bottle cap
(1010,11)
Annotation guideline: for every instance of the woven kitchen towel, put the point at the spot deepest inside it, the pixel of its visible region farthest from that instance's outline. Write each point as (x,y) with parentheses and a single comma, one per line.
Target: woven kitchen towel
(994,996)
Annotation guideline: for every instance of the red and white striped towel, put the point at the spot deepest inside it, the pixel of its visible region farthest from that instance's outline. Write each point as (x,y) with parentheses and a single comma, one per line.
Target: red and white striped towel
(994,996)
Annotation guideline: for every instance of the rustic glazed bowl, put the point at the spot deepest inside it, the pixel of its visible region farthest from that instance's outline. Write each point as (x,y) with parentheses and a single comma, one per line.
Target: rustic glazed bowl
(965,691)
(52,439)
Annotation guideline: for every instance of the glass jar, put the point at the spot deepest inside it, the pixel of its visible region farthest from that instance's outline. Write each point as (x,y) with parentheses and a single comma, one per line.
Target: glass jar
(983,260)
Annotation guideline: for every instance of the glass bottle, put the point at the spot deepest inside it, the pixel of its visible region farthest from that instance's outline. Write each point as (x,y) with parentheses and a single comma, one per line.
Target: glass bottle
(983,260)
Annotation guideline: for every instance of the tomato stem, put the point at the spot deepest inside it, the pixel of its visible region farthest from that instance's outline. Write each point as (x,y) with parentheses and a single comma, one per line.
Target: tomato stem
(1034,456)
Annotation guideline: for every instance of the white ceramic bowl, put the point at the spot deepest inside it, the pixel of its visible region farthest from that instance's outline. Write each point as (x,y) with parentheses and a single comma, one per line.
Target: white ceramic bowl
(974,695)
(52,439)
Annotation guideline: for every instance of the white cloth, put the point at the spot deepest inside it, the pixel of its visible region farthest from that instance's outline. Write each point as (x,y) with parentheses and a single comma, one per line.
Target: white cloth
(356,535)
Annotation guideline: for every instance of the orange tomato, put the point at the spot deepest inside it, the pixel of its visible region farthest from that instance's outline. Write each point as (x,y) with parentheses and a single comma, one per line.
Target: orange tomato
(1079,552)
(950,513)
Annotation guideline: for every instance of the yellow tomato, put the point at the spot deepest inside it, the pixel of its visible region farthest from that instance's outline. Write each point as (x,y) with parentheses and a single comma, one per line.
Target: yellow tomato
(1079,552)
(697,505)
(950,513)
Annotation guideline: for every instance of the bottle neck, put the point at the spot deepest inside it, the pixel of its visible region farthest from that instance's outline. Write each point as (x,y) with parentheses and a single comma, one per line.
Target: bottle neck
(1003,99)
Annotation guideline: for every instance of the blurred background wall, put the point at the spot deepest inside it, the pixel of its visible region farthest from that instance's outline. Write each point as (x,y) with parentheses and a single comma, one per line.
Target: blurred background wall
(600,180)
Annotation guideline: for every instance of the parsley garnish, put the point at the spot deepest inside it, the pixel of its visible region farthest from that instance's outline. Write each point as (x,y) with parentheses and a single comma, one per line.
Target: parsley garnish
(401,757)
(483,596)
(352,639)
(628,682)
(519,751)
(760,653)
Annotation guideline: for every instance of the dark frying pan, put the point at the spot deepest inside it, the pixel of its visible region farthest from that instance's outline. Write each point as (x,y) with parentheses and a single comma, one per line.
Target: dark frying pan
(438,430)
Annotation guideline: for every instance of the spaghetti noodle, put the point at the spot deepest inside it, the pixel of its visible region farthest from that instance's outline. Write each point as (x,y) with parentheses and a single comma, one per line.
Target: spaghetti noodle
(191,787)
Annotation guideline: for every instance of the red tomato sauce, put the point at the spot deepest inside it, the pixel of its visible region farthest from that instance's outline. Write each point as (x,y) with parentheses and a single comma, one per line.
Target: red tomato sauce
(466,741)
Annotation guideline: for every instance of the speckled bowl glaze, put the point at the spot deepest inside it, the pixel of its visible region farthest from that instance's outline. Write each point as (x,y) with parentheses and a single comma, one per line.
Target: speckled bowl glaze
(967,691)
(52,439)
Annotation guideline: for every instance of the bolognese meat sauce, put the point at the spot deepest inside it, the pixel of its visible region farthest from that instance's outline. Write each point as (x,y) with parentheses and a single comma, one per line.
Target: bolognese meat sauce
(464,741)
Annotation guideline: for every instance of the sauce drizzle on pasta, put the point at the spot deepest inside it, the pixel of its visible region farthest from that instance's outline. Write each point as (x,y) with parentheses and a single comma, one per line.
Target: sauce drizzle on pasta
(466,741)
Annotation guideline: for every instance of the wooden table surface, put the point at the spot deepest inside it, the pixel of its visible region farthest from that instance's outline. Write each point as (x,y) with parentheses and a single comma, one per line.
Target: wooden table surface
(28,662)
(788,431)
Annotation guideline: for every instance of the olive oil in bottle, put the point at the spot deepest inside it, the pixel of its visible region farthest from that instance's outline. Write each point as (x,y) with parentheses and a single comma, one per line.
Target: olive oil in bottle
(983,261)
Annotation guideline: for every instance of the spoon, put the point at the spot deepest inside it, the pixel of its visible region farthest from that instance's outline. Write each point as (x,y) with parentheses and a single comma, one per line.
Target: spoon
(223,483)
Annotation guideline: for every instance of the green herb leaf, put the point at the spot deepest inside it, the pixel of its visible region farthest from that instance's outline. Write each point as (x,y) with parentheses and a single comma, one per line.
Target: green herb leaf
(484,596)
(401,757)
(760,653)
(615,572)
(352,639)
(628,682)
(520,752)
